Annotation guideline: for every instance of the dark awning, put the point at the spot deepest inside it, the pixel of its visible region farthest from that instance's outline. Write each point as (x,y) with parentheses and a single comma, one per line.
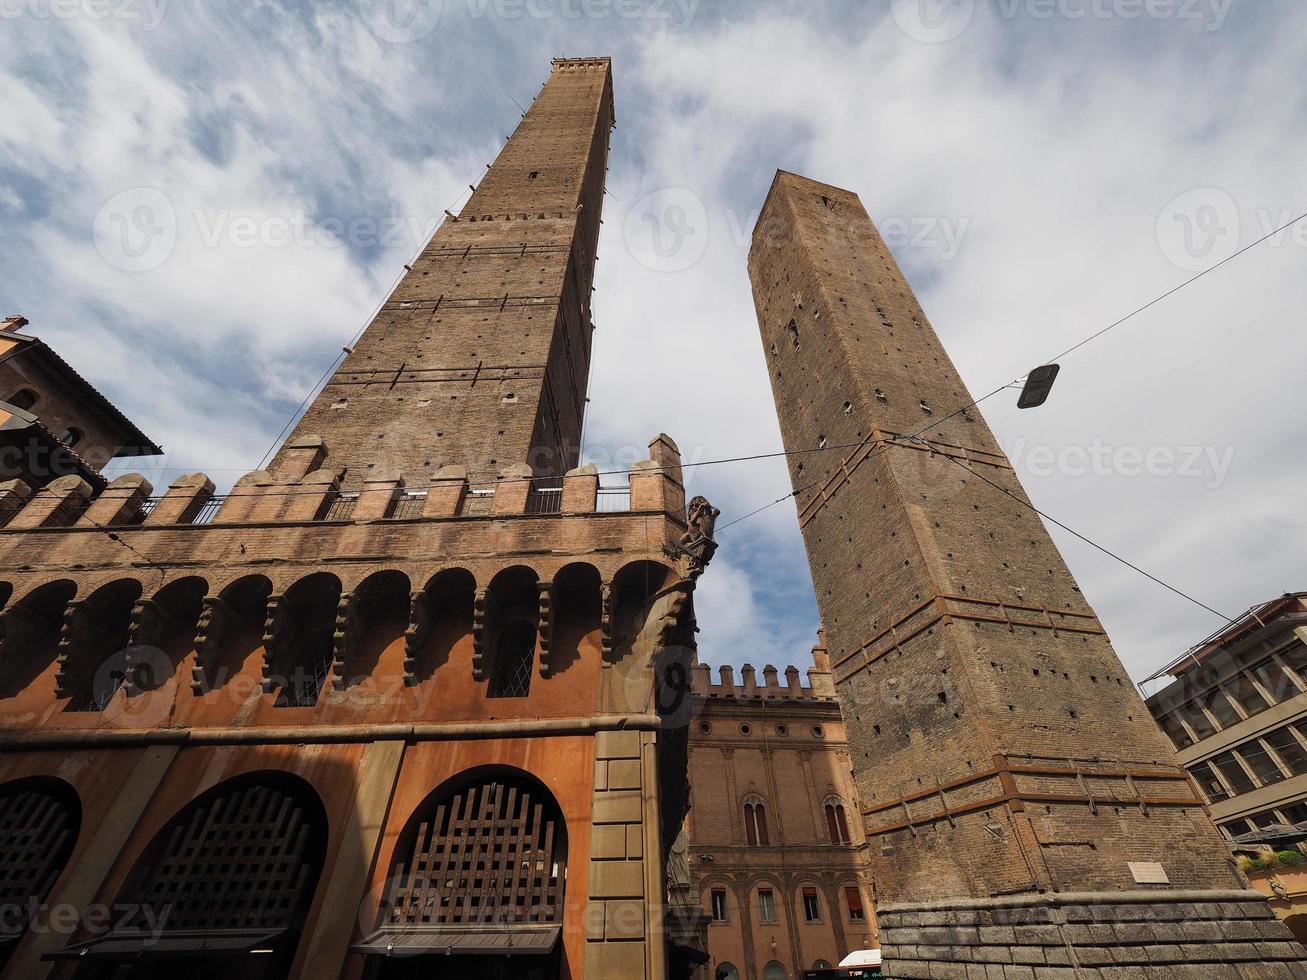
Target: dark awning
(131,945)
(519,939)
(1276,833)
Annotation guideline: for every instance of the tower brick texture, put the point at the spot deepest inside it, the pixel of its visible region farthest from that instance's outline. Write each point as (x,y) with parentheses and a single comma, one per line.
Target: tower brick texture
(480,357)
(1007,768)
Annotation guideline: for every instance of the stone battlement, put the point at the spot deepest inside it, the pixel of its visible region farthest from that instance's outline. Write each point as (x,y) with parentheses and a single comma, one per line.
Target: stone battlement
(820,686)
(304,487)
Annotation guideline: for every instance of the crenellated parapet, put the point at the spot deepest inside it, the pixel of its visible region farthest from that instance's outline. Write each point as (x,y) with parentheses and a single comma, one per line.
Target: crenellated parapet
(304,488)
(819,686)
(290,601)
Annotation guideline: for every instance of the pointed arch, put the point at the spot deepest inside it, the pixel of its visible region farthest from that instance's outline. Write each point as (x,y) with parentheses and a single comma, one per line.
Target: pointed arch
(29,635)
(93,644)
(441,615)
(372,618)
(487,850)
(40,818)
(229,630)
(299,640)
(236,868)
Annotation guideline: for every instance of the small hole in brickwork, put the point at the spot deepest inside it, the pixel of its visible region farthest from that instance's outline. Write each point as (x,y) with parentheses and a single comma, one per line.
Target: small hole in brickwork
(876,729)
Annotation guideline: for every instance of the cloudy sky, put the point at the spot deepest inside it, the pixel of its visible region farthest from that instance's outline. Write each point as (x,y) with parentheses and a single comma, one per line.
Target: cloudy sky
(201,201)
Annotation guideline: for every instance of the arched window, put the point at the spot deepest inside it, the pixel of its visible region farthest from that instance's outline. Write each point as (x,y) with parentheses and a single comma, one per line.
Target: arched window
(24,398)
(481,865)
(515,653)
(755,824)
(774,971)
(837,825)
(726,971)
(236,870)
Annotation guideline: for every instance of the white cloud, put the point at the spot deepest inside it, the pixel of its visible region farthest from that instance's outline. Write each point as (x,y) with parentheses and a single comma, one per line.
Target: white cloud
(1052,148)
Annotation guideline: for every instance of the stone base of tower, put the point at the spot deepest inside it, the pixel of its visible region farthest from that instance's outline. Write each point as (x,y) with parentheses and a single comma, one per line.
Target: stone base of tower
(1164,934)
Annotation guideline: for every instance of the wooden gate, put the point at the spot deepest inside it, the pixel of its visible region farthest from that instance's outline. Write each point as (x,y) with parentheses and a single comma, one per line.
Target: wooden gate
(492,853)
(37,832)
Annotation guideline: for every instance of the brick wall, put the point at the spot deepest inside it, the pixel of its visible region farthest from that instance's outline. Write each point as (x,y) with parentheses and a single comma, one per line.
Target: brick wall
(480,357)
(971,670)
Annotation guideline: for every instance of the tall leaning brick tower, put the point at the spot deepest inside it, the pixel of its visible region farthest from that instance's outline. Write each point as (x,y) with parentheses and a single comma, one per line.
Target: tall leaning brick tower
(480,358)
(1022,808)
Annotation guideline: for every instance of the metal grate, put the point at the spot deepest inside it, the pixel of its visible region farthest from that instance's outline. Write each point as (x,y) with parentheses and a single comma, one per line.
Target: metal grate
(410,505)
(342,508)
(490,853)
(237,862)
(613,500)
(514,661)
(304,687)
(210,509)
(477,503)
(544,500)
(36,838)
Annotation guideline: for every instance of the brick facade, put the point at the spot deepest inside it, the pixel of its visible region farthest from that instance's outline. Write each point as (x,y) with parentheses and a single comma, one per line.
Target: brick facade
(365,657)
(480,358)
(998,745)
(778,744)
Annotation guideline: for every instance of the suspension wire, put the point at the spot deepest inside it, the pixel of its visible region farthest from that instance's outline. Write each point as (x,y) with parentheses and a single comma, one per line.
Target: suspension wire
(1072,531)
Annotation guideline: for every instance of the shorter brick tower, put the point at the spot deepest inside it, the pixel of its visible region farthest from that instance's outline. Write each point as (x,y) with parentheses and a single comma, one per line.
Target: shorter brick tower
(1021,806)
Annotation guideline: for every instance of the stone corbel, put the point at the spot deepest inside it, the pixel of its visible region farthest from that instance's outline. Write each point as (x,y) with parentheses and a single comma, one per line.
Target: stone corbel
(150,623)
(278,633)
(349,623)
(212,630)
(545,623)
(479,638)
(606,623)
(417,634)
(75,614)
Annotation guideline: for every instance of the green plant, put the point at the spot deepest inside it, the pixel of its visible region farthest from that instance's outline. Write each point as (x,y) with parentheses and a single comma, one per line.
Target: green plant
(1291,858)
